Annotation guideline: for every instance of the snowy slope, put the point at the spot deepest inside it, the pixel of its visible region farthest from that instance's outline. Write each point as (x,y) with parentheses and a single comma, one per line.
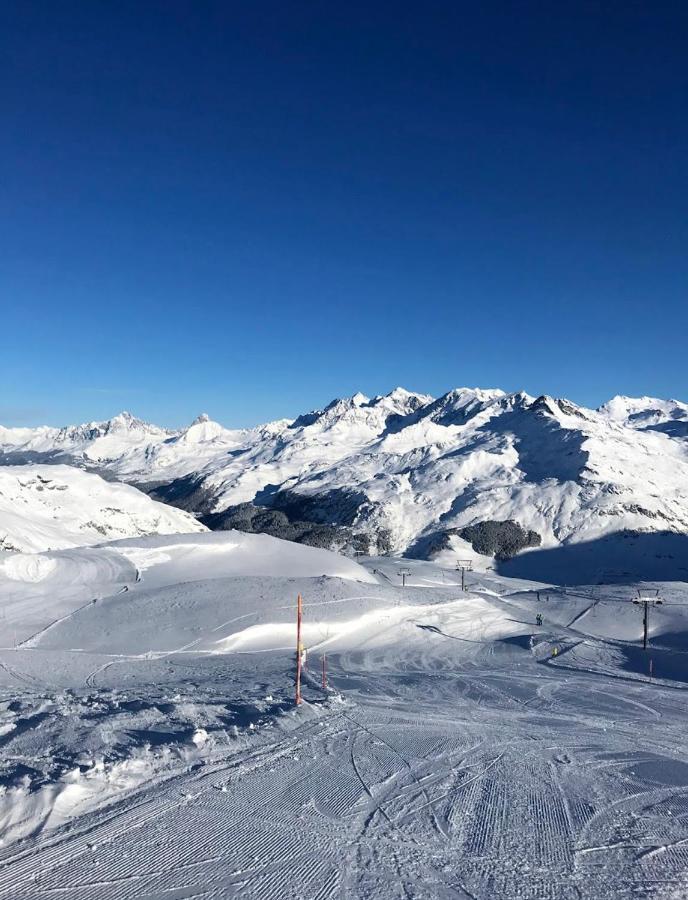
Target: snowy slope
(151,745)
(406,473)
(39,588)
(54,507)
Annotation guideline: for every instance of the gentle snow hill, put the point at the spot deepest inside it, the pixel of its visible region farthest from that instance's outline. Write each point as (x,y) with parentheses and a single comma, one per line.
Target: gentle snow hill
(233,593)
(477,474)
(163,560)
(38,589)
(56,507)
(250,614)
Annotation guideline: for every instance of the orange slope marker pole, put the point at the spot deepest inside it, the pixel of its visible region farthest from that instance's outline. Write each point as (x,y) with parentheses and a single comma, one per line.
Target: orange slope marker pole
(299,650)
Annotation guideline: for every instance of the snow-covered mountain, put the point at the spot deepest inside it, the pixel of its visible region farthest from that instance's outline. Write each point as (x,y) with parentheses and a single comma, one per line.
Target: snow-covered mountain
(58,507)
(472,472)
(647,413)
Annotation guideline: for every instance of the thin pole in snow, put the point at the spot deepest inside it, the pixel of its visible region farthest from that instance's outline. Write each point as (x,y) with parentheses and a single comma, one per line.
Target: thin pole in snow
(299,650)
(324,671)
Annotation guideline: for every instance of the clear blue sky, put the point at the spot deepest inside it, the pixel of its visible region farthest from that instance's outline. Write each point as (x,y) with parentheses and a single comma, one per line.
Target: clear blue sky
(251,208)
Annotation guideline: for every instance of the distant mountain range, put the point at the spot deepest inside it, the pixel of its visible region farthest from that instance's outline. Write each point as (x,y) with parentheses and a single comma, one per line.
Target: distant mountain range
(474,473)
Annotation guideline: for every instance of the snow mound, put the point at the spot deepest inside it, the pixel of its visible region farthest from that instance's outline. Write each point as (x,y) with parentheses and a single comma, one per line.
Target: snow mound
(44,590)
(188,557)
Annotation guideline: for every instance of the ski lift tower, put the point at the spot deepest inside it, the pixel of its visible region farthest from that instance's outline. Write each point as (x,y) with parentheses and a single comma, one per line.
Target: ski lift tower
(646,601)
(464,565)
(404,574)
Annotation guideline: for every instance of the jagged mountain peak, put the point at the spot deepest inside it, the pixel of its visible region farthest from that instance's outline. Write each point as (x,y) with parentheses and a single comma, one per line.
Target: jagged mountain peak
(336,409)
(572,409)
(402,401)
(459,405)
(517,400)
(400,393)
(544,404)
(122,422)
(125,421)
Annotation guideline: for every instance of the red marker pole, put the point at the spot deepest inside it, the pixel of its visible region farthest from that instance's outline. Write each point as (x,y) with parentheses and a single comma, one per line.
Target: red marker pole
(298,651)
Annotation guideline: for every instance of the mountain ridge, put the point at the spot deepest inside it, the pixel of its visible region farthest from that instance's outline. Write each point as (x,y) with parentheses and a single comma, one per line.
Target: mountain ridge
(404,471)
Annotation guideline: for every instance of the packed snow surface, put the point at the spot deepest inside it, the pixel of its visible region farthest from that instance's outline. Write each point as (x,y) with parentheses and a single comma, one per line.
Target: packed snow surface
(510,740)
(54,507)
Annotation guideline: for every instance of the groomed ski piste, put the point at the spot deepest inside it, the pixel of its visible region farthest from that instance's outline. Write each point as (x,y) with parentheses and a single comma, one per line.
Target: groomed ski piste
(151,747)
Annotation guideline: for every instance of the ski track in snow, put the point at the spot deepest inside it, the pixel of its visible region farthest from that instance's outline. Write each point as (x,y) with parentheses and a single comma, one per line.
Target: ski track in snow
(432,795)
(453,757)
